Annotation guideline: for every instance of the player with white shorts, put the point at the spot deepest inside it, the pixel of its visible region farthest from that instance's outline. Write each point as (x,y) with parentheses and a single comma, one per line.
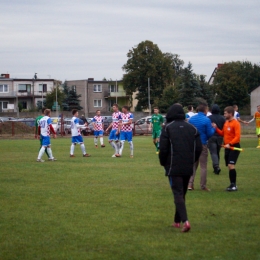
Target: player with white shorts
(76,137)
(113,138)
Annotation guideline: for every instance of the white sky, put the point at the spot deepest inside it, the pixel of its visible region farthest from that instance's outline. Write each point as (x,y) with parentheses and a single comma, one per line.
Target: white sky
(80,39)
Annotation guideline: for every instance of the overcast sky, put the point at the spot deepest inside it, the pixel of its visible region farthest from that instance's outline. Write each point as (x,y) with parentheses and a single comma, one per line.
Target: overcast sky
(78,39)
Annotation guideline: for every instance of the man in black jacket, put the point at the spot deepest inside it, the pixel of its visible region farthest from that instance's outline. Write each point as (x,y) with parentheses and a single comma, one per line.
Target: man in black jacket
(215,142)
(180,147)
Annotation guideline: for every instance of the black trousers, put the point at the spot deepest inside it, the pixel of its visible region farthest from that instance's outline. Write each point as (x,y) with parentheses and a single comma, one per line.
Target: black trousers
(179,186)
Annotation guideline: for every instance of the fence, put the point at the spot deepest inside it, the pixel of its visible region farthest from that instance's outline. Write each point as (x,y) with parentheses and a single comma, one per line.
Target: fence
(24,130)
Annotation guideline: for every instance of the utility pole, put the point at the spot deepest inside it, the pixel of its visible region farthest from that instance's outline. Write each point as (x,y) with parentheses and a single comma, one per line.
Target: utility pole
(149,102)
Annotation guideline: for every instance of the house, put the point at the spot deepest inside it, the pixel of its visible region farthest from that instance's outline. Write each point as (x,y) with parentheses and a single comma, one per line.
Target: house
(254,99)
(26,92)
(211,79)
(99,94)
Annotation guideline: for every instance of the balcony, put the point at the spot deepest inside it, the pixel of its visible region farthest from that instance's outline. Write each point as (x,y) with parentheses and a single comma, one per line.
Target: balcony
(119,94)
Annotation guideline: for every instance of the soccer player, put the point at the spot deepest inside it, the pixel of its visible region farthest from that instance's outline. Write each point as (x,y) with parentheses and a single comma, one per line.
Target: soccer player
(257,121)
(237,115)
(156,124)
(190,113)
(44,129)
(113,138)
(126,133)
(98,123)
(37,120)
(231,132)
(76,137)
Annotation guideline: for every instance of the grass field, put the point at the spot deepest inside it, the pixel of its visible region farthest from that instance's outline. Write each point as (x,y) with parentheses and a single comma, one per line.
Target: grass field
(121,208)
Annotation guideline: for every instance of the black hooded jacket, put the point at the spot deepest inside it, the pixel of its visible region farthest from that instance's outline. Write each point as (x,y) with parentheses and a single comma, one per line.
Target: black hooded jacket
(180,144)
(216,118)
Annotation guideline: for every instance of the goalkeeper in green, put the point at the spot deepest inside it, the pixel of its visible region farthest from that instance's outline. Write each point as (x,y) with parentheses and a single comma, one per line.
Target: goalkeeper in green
(37,120)
(156,124)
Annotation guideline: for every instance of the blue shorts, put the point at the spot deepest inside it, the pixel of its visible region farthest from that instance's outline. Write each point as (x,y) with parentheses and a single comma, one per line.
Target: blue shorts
(113,136)
(77,139)
(46,140)
(126,136)
(99,133)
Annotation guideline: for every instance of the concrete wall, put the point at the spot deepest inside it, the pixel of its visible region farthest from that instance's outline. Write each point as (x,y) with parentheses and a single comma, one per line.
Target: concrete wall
(255,100)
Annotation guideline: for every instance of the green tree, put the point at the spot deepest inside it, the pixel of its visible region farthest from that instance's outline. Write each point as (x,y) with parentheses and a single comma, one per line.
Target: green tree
(147,61)
(206,90)
(170,96)
(51,96)
(71,98)
(232,84)
(188,86)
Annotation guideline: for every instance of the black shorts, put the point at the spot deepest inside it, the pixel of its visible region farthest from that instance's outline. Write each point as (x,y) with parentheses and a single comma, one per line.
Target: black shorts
(231,156)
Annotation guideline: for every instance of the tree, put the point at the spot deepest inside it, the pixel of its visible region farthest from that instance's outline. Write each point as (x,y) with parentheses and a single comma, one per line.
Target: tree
(71,99)
(206,90)
(51,96)
(169,97)
(233,82)
(188,86)
(147,61)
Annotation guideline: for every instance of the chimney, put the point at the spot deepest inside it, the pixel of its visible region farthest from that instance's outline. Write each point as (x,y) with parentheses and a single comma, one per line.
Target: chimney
(5,76)
(220,65)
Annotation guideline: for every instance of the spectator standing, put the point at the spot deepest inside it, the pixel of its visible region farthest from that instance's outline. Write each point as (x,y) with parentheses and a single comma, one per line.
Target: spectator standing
(215,142)
(180,147)
(203,124)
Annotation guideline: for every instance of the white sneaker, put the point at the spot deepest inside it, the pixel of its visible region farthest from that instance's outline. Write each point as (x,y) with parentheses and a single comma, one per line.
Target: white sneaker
(40,160)
(113,155)
(52,159)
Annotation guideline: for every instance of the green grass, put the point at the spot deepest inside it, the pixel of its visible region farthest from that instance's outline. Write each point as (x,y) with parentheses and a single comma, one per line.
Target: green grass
(120,208)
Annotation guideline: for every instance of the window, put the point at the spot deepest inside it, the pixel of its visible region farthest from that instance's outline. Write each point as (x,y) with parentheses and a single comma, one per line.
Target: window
(97,102)
(74,88)
(97,88)
(24,104)
(113,88)
(4,105)
(24,88)
(3,88)
(43,88)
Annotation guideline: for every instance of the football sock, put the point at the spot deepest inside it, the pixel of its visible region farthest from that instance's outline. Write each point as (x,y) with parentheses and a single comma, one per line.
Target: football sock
(47,153)
(122,147)
(83,149)
(41,152)
(157,146)
(72,149)
(233,176)
(101,140)
(131,148)
(118,144)
(50,152)
(112,143)
(95,140)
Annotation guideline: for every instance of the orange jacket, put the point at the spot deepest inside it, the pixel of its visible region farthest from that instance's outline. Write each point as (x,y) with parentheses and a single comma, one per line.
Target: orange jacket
(231,132)
(257,119)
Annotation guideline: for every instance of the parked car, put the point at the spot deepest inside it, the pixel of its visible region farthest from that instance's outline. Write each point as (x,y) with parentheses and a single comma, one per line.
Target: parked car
(54,122)
(141,126)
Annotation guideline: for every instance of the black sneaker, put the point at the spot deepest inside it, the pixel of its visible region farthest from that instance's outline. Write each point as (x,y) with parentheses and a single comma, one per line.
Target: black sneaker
(231,187)
(217,170)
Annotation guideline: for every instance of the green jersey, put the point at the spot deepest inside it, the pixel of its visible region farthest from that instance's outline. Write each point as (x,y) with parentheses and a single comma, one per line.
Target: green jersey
(157,121)
(37,120)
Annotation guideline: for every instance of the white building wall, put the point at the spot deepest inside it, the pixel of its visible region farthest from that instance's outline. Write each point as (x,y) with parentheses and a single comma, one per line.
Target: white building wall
(255,100)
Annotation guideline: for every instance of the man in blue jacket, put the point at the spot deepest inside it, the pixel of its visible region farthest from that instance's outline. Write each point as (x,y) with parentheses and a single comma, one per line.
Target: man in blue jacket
(203,124)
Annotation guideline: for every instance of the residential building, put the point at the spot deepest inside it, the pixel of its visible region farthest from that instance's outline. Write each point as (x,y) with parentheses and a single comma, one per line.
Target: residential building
(254,99)
(99,94)
(211,79)
(26,92)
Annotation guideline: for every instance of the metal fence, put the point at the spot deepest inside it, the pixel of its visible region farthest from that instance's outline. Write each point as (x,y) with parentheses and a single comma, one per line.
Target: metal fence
(25,129)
